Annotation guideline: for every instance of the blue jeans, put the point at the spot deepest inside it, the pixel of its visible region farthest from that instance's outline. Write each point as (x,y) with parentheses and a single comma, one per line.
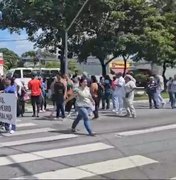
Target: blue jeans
(7,127)
(83,113)
(60,107)
(173,100)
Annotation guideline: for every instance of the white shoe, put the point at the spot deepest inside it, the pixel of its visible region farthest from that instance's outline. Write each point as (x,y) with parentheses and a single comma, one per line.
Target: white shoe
(113,110)
(2,128)
(117,112)
(12,131)
(69,115)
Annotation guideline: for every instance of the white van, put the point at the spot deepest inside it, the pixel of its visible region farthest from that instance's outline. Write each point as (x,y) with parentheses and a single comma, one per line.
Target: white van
(24,74)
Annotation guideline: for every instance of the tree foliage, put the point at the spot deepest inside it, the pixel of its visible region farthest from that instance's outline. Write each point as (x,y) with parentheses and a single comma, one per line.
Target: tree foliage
(124,28)
(10,58)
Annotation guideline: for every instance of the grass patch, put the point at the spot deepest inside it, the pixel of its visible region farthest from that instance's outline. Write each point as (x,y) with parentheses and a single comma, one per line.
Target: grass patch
(165,95)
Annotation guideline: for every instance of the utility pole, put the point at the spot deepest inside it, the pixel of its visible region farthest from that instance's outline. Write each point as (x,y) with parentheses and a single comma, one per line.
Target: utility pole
(66,36)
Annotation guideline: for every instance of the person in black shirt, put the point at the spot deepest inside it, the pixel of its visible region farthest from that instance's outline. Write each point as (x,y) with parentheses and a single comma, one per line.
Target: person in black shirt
(2,83)
(151,91)
(59,91)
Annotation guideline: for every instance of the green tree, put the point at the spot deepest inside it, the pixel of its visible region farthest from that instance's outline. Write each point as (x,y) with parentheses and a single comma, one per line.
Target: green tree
(29,54)
(73,66)
(11,58)
(53,64)
(118,33)
(51,17)
(158,43)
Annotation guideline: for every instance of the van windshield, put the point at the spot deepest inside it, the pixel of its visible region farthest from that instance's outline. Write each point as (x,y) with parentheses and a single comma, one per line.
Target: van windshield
(27,73)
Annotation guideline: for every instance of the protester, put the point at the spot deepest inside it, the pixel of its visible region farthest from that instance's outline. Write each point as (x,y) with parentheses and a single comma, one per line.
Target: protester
(35,86)
(102,91)
(84,103)
(129,96)
(10,88)
(173,91)
(113,92)
(94,92)
(107,94)
(43,94)
(59,91)
(2,83)
(70,103)
(169,83)
(2,87)
(151,91)
(160,87)
(119,94)
(53,96)
(21,99)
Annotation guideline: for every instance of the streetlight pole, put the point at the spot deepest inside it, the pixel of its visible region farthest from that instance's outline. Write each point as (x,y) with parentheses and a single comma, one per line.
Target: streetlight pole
(1,16)
(66,35)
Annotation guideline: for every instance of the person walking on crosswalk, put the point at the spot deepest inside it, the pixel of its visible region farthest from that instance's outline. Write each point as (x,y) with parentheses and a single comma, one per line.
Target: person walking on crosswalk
(84,104)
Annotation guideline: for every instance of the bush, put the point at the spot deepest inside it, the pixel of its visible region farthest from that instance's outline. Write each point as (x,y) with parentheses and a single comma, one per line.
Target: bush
(141,79)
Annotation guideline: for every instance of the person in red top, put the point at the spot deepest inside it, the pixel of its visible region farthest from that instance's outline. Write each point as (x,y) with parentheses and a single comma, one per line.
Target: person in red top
(35,86)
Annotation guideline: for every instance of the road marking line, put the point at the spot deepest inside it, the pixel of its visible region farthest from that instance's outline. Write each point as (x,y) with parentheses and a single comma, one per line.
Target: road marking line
(94,169)
(173,178)
(40,155)
(144,131)
(25,125)
(32,131)
(37,140)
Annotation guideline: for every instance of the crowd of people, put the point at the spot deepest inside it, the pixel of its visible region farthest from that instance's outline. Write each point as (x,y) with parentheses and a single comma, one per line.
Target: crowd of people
(86,95)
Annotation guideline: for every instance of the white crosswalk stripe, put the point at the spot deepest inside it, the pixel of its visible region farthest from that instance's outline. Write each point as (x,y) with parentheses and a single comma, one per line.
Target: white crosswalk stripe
(27,157)
(149,130)
(93,169)
(86,169)
(37,140)
(25,125)
(31,131)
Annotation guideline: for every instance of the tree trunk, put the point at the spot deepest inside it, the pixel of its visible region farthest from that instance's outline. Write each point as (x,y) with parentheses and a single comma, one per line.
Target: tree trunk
(62,59)
(125,66)
(103,65)
(62,65)
(164,77)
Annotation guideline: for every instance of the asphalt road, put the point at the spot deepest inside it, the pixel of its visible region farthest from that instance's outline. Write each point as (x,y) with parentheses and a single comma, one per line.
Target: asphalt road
(124,148)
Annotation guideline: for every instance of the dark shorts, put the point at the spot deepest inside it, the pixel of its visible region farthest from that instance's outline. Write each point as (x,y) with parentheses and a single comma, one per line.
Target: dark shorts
(35,100)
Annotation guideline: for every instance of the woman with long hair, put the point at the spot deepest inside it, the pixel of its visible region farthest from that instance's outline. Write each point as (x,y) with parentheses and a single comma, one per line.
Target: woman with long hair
(84,104)
(94,93)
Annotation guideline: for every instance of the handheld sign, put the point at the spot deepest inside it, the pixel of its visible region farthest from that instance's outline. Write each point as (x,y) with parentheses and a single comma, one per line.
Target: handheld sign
(8,108)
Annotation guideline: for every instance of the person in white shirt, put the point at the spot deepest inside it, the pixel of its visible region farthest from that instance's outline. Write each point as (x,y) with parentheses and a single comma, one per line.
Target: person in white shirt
(130,86)
(119,94)
(160,82)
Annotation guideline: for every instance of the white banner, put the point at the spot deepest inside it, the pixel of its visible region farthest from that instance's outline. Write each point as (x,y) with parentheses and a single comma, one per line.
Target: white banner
(8,108)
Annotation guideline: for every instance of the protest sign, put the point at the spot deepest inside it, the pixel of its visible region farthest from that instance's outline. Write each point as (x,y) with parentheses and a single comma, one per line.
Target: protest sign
(8,108)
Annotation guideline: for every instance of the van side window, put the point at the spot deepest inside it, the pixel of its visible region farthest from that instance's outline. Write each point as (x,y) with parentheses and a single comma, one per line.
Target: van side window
(27,73)
(17,74)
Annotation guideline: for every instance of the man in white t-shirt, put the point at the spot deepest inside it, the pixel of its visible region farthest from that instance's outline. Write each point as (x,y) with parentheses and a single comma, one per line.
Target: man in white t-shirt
(130,86)
(160,87)
(119,94)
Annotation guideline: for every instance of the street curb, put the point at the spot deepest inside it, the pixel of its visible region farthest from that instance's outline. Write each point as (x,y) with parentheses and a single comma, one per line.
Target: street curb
(146,101)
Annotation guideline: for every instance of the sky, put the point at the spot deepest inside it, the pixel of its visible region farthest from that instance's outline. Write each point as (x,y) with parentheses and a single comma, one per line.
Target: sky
(18,47)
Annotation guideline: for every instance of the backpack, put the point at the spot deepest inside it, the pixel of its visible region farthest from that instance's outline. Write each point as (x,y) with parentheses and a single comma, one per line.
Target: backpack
(100,90)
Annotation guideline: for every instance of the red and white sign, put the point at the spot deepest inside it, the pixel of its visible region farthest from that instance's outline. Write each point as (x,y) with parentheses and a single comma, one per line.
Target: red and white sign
(1,61)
